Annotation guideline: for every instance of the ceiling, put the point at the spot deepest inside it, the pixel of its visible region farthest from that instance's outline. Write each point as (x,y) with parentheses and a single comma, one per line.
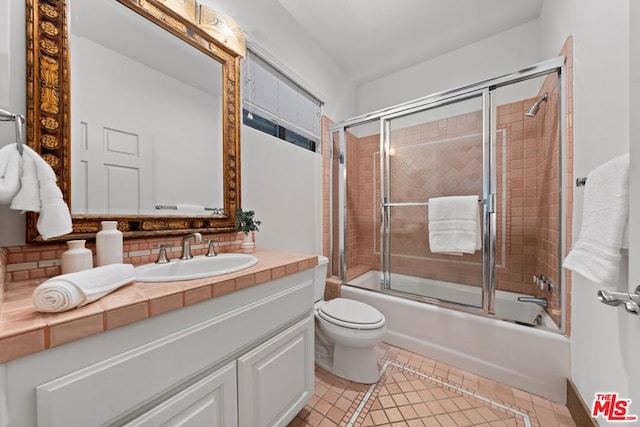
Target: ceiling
(372,38)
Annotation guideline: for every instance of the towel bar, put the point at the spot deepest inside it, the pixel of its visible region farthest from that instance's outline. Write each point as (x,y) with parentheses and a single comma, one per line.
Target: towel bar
(384,205)
(7,116)
(216,211)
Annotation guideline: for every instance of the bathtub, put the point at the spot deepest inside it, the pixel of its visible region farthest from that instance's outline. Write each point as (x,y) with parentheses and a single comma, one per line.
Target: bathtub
(532,359)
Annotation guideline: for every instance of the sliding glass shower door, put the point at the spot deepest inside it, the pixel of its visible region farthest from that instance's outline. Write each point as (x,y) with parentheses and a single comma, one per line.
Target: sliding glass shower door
(428,154)
(501,143)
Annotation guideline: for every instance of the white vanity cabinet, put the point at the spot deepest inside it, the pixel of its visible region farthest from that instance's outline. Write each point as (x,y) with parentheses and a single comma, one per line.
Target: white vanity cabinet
(211,402)
(243,359)
(275,380)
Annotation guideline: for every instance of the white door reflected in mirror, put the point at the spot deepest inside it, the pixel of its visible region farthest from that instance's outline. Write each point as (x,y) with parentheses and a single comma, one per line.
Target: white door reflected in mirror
(146,111)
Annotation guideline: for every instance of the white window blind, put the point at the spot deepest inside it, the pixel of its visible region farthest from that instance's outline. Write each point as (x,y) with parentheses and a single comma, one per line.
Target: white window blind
(272,95)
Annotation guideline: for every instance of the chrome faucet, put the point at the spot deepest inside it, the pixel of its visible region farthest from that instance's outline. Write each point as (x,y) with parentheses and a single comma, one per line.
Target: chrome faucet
(186,244)
(631,301)
(162,253)
(542,302)
(211,249)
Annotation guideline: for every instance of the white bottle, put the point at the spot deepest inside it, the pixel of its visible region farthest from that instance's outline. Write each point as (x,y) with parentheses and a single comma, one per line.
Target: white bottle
(77,257)
(109,244)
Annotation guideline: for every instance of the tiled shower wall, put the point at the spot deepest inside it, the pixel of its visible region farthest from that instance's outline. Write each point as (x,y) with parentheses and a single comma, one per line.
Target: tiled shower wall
(432,159)
(444,157)
(532,173)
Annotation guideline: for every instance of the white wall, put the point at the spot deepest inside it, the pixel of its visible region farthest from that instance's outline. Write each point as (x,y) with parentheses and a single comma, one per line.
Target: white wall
(12,224)
(180,124)
(276,32)
(4,53)
(634,232)
(600,351)
(271,26)
(501,54)
(281,182)
(282,195)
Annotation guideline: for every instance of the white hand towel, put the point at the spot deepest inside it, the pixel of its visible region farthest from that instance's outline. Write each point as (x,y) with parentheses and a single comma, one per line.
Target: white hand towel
(596,254)
(454,225)
(28,198)
(190,208)
(73,290)
(55,218)
(10,169)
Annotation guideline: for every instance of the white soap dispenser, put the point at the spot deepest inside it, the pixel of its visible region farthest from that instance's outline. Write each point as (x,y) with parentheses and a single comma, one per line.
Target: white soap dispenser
(109,244)
(77,257)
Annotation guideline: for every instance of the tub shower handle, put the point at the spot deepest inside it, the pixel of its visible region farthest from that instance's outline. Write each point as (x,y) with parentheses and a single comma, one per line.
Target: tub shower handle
(630,301)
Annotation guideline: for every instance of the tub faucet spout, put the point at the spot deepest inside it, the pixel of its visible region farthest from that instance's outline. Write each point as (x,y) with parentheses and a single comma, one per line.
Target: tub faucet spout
(542,302)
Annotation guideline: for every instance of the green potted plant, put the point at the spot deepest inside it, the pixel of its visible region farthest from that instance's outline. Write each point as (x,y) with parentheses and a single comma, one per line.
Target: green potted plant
(247,224)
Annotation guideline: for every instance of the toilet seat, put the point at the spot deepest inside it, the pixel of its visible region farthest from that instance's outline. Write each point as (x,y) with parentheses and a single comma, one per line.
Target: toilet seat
(351,314)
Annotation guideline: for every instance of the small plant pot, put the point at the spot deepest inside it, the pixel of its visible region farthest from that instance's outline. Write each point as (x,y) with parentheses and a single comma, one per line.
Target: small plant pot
(248,246)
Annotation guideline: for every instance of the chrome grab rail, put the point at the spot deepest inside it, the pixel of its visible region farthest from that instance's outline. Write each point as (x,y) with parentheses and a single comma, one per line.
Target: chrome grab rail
(396,204)
(630,301)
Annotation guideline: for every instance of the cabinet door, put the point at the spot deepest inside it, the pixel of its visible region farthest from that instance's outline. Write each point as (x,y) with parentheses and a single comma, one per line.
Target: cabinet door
(276,379)
(212,401)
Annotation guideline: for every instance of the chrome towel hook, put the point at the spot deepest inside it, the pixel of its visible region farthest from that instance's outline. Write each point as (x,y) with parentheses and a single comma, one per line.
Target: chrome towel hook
(19,120)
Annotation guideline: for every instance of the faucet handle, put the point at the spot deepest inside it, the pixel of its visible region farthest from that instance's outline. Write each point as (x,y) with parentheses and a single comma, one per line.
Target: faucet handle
(162,253)
(631,301)
(211,249)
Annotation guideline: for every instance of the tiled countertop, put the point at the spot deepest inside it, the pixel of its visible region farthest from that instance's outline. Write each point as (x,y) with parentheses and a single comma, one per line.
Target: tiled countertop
(23,330)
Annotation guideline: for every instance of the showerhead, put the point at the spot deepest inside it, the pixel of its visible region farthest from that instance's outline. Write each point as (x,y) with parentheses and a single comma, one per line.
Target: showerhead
(533,110)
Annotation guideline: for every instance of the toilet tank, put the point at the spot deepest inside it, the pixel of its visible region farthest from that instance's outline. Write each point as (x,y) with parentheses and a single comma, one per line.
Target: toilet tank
(320,278)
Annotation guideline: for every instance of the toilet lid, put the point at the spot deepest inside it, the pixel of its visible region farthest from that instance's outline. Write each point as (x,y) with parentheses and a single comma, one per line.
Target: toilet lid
(351,313)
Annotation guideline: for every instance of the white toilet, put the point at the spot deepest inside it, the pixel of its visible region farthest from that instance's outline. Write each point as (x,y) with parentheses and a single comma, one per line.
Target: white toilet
(347,332)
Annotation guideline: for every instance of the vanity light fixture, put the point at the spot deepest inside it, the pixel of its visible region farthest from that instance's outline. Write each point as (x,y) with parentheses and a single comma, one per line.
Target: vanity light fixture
(223,28)
(217,24)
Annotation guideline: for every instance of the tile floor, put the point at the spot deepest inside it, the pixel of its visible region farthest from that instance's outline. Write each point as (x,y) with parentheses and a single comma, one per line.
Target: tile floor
(417,391)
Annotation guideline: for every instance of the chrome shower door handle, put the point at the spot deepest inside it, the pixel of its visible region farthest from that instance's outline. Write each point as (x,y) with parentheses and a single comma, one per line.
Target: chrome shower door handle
(631,301)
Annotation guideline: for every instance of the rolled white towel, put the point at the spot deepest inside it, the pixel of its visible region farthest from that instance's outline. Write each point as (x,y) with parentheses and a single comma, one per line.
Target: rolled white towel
(73,290)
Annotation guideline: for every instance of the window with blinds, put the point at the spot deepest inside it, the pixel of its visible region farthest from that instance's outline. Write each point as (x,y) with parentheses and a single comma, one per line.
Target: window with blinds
(276,105)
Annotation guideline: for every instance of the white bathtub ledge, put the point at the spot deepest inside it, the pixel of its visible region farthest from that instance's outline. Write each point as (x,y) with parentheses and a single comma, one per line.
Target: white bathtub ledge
(530,359)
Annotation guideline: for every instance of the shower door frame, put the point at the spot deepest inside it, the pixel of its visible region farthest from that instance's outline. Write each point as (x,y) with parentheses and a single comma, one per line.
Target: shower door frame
(487,198)
(486,89)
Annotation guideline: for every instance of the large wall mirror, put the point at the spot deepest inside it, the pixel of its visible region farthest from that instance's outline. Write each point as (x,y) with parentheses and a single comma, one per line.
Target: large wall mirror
(135,105)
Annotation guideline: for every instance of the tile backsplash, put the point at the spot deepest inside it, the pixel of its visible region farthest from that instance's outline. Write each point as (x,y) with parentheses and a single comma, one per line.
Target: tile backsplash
(44,261)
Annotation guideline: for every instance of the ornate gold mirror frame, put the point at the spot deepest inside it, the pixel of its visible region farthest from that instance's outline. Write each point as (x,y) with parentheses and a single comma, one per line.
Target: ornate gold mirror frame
(48,106)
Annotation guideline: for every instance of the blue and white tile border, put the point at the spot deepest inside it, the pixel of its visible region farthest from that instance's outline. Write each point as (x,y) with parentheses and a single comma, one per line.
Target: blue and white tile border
(387,363)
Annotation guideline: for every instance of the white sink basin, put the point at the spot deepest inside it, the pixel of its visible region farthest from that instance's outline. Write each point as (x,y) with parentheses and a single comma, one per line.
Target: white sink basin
(195,268)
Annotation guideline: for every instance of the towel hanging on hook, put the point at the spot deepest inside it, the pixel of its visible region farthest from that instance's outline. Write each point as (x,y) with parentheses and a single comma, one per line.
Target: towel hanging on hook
(7,116)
